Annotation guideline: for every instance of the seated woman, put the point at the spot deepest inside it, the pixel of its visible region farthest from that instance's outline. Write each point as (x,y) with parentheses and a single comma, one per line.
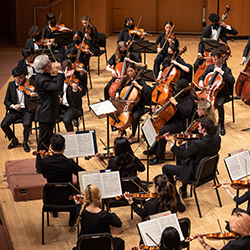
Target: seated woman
(124,160)
(165,200)
(93,219)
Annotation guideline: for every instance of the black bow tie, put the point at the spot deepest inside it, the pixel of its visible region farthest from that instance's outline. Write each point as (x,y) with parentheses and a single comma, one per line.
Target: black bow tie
(215,26)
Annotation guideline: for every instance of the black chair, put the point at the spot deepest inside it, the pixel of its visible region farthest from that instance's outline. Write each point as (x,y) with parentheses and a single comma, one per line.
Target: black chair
(127,184)
(102,45)
(102,241)
(205,172)
(185,225)
(56,199)
(60,119)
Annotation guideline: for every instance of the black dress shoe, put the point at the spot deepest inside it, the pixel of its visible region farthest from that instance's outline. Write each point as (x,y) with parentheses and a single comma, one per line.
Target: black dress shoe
(72,222)
(156,161)
(75,122)
(180,206)
(26,147)
(183,193)
(222,129)
(151,152)
(39,171)
(13,143)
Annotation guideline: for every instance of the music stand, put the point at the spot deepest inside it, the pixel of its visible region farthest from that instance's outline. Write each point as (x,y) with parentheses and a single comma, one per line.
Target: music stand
(144,47)
(148,75)
(32,102)
(47,52)
(64,39)
(210,44)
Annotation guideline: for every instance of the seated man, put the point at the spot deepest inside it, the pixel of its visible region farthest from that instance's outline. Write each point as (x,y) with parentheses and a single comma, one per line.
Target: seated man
(188,158)
(58,168)
(16,102)
(27,62)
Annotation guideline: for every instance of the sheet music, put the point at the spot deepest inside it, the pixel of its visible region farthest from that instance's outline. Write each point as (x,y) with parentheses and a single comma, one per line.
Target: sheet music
(70,142)
(101,109)
(86,144)
(149,132)
(91,179)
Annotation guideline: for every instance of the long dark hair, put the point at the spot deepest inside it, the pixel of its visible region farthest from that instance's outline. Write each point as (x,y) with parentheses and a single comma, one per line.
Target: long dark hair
(166,194)
(124,157)
(170,239)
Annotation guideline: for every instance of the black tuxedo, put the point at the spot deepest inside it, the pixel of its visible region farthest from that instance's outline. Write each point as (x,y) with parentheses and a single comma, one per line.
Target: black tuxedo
(30,43)
(12,115)
(190,157)
(247,48)
(22,64)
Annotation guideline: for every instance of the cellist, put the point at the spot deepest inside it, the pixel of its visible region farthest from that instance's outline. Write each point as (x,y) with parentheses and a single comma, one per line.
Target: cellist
(210,31)
(246,51)
(145,90)
(223,96)
(118,57)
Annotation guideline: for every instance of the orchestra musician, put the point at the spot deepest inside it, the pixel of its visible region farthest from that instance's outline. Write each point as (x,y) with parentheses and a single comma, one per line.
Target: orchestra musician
(26,64)
(90,34)
(48,103)
(165,200)
(118,57)
(163,51)
(145,90)
(246,51)
(16,103)
(35,36)
(47,32)
(95,220)
(177,123)
(124,160)
(210,31)
(58,168)
(239,223)
(223,96)
(208,145)
(71,97)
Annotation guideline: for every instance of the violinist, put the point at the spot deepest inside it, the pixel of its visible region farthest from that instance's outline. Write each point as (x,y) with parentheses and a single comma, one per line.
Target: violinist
(58,168)
(165,200)
(27,62)
(125,36)
(208,145)
(177,123)
(163,49)
(90,34)
(246,51)
(16,103)
(71,97)
(118,57)
(211,31)
(145,90)
(47,32)
(239,200)
(223,95)
(48,103)
(35,36)
(239,223)
(95,220)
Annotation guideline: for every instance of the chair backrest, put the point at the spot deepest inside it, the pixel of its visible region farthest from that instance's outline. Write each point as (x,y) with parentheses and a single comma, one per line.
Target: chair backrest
(128,184)
(102,241)
(57,194)
(206,170)
(185,225)
(102,39)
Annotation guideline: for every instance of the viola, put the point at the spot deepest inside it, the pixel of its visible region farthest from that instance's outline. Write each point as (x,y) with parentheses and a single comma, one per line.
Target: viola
(162,93)
(236,184)
(130,96)
(138,32)
(146,248)
(138,196)
(43,153)
(215,236)
(60,28)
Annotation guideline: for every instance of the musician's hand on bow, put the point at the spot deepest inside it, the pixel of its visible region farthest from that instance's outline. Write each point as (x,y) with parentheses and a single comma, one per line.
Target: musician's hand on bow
(223,24)
(167,138)
(219,70)
(128,60)
(159,50)
(200,56)
(128,197)
(69,73)
(173,101)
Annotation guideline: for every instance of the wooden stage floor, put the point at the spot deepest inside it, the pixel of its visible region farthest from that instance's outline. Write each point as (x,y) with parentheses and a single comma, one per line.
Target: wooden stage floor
(23,219)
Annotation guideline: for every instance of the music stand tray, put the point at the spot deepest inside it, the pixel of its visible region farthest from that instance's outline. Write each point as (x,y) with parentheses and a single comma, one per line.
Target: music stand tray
(64,38)
(47,52)
(148,75)
(32,104)
(210,44)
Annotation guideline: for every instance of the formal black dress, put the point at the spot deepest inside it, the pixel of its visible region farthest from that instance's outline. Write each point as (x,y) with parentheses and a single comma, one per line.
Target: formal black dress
(93,43)
(245,197)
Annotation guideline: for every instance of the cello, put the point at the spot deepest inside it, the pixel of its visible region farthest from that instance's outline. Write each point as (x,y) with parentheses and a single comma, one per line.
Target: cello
(164,90)
(130,96)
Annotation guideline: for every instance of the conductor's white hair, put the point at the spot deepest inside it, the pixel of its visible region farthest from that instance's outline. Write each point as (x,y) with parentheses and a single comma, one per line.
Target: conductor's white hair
(40,62)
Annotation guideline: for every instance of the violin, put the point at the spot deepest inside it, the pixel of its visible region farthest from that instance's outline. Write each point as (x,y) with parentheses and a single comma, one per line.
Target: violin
(45,42)
(170,38)
(130,96)
(162,93)
(60,28)
(43,153)
(84,48)
(215,236)
(100,156)
(78,66)
(73,80)
(236,184)
(138,196)
(138,32)
(181,136)
(80,199)
(146,248)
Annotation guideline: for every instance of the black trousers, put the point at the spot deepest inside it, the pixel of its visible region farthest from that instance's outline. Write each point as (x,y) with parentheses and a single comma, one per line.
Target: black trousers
(11,117)
(137,113)
(197,63)
(67,114)
(220,107)
(157,63)
(106,89)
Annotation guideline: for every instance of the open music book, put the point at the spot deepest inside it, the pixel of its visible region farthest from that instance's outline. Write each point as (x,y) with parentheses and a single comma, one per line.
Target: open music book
(108,182)
(149,132)
(155,227)
(80,144)
(238,165)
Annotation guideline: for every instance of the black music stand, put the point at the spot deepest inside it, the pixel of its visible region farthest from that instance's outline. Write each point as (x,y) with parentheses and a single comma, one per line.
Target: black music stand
(148,75)
(210,44)
(144,47)
(32,104)
(64,38)
(47,52)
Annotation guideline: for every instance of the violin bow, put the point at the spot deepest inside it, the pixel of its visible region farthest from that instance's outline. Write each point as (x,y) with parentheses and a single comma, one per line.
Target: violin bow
(152,239)
(139,187)
(79,191)
(49,149)
(167,38)
(221,230)
(59,19)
